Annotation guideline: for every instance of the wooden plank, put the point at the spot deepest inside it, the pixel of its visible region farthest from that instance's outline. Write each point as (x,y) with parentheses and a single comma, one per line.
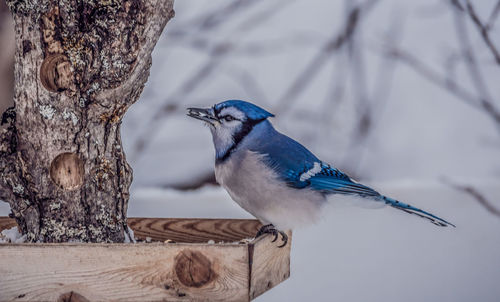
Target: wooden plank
(269,264)
(189,270)
(124,272)
(7,223)
(194,230)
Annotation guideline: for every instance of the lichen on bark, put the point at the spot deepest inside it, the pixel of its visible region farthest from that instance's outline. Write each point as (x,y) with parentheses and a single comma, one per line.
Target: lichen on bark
(79,65)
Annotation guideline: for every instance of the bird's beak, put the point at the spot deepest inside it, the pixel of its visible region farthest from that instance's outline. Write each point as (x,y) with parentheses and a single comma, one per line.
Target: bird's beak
(206,115)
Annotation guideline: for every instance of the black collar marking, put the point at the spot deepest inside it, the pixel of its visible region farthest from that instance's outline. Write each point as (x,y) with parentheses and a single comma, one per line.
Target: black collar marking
(238,137)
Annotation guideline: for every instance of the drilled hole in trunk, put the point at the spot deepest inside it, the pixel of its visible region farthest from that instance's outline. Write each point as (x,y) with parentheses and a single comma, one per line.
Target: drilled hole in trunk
(66,170)
(55,73)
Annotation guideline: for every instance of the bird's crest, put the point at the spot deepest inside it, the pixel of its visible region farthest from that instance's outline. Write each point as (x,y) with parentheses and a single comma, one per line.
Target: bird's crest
(252,111)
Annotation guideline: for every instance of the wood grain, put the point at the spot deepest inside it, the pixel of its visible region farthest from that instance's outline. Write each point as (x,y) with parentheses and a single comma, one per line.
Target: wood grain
(269,264)
(126,272)
(194,230)
(7,223)
(183,271)
(67,171)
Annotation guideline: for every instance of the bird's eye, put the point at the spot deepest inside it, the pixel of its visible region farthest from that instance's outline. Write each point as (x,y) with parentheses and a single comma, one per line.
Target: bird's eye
(228,118)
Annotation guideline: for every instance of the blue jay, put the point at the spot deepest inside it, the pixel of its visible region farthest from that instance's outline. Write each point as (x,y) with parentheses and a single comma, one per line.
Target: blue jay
(275,178)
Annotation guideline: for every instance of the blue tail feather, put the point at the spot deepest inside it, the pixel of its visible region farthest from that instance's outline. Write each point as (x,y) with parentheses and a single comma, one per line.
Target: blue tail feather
(412,210)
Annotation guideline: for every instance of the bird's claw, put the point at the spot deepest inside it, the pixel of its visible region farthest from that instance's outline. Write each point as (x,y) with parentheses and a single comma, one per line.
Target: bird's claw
(271,229)
(284,238)
(275,233)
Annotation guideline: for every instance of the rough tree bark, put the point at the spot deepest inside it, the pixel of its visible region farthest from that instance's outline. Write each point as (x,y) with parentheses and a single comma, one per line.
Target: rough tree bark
(79,65)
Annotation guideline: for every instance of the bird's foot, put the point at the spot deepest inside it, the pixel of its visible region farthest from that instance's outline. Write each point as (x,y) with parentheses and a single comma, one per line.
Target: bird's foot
(271,229)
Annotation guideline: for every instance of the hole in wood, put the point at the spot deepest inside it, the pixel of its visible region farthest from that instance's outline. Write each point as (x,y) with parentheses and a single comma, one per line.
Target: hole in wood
(66,170)
(72,297)
(193,269)
(55,73)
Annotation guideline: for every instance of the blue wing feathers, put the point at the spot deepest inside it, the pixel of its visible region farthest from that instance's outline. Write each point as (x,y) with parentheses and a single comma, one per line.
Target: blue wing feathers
(331,180)
(289,159)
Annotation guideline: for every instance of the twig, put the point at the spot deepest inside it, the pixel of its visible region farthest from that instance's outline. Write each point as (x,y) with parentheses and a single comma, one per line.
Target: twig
(212,19)
(249,83)
(316,64)
(270,11)
(250,49)
(375,100)
(446,83)
(204,179)
(450,65)
(359,81)
(474,193)
(493,16)
(485,100)
(483,30)
(335,95)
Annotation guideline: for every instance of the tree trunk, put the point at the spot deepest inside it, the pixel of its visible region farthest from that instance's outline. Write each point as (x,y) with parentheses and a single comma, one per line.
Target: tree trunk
(6,58)
(79,65)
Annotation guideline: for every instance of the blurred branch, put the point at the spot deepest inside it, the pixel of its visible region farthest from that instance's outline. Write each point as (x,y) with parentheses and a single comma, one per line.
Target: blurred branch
(484,29)
(474,193)
(432,75)
(493,16)
(372,103)
(212,19)
(264,15)
(221,15)
(357,61)
(196,29)
(451,64)
(446,83)
(250,49)
(336,92)
(469,57)
(249,83)
(316,64)
(198,182)
(387,67)
(482,100)
(485,100)
(362,103)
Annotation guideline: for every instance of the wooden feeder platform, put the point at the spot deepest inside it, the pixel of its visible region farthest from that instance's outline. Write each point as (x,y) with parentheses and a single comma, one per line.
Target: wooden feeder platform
(188,269)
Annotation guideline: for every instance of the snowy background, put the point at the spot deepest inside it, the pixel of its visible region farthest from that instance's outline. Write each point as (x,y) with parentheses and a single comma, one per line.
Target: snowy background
(363,105)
